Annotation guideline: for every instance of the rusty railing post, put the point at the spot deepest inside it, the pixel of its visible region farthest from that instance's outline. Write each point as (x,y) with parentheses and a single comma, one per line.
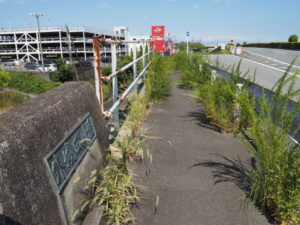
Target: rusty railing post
(115,80)
(97,69)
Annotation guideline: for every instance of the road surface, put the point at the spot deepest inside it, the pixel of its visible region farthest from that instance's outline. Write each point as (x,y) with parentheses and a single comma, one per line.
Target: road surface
(268,70)
(282,55)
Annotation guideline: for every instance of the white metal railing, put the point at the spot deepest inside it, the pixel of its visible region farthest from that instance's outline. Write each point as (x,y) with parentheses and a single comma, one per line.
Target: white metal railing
(99,80)
(58,49)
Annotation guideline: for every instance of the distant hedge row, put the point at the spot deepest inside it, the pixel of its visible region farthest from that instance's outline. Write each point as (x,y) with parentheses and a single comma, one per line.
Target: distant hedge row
(283,45)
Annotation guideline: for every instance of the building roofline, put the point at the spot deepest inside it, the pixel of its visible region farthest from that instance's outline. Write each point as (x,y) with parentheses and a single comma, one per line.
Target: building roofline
(55,29)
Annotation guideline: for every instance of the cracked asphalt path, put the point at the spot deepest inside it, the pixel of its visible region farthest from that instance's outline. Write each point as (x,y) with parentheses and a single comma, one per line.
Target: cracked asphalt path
(197,172)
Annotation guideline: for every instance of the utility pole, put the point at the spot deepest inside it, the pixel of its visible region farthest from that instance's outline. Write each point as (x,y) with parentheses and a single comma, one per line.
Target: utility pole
(187,42)
(37,16)
(70,51)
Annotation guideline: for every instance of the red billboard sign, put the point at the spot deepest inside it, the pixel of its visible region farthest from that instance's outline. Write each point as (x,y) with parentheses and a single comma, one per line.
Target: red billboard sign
(158,31)
(158,45)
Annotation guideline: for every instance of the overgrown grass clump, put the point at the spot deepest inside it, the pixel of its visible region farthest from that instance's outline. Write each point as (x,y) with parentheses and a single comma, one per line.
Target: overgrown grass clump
(158,83)
(274,182)
(29,83)
(115,187)
(10,99)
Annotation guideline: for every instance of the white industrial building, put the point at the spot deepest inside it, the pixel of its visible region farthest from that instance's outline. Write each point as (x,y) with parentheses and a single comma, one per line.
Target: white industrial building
(124,32)
(23,44)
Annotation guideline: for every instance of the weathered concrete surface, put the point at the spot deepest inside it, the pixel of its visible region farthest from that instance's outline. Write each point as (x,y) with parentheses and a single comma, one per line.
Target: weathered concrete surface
(197,172)
(29,132)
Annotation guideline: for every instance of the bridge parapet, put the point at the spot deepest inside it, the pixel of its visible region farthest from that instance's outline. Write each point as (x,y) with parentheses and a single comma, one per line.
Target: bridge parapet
(44,161)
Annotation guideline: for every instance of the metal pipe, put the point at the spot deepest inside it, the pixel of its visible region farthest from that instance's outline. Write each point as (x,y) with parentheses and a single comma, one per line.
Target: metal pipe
(134,59)
(124,68)
(125,41)
(115,79)
(144,59)
(108,113)
(97,68)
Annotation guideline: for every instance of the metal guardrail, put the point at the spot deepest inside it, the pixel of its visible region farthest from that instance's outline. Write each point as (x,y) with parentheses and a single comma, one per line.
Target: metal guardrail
(99,80)
(255,88)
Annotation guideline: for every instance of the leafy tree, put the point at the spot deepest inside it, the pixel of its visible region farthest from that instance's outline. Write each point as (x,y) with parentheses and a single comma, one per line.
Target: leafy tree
(4,78)
(293,38)
(244,43)
(64,72)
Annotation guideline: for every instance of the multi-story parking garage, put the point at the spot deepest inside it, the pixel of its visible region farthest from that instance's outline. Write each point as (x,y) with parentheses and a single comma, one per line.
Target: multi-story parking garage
(23,44)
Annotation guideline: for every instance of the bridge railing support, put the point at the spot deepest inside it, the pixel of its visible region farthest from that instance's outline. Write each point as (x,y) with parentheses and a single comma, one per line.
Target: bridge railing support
(99,79)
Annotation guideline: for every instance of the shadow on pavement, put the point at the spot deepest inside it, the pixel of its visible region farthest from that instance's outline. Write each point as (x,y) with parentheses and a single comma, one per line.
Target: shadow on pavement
(234,171)
(202,120)
(229,170)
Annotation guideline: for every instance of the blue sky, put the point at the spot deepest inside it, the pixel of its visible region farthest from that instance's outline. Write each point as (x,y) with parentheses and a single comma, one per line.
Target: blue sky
(210,21)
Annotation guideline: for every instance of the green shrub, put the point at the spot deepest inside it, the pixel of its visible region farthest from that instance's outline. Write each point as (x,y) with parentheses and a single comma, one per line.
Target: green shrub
(125,78)
(4,78)
(181,61)
(194,46)
(29,83)
(275,179)
(196,70)
(293,38)
(158,83)
(225,51)
(276,183)
(64,71)
(281,45)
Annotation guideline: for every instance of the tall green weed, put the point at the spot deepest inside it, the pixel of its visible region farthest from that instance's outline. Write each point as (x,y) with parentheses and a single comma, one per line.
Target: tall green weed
(158,82)
(275,178)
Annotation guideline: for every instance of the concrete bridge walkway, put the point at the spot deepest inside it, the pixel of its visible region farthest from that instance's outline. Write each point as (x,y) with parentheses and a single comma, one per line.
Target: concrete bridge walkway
(197,172)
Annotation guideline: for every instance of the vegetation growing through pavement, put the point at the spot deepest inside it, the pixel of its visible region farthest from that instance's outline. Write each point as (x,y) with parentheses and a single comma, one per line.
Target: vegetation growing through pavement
(274,183)
(158,81)
(114,186)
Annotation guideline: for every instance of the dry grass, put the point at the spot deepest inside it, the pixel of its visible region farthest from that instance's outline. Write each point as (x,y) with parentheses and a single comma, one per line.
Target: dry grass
(10,99)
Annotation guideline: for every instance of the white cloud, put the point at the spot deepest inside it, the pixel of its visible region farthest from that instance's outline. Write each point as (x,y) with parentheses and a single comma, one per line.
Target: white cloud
(196,6)
(103,5)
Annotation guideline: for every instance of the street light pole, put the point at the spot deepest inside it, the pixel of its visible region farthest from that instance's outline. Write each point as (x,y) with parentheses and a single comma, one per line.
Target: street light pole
(37,16)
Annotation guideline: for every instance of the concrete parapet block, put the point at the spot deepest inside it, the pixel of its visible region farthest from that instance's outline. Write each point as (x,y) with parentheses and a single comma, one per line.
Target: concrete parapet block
(31,190)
